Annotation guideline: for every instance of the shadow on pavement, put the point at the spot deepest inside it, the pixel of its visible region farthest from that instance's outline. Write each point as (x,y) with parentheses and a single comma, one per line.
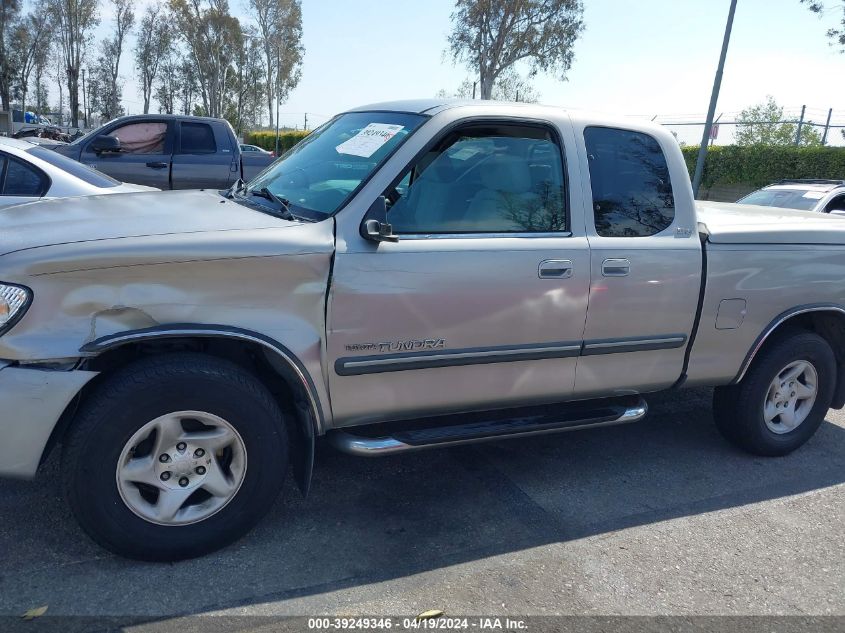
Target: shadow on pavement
(379,519)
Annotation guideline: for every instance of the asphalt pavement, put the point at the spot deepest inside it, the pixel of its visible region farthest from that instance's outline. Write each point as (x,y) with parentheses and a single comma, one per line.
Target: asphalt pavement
(658,517)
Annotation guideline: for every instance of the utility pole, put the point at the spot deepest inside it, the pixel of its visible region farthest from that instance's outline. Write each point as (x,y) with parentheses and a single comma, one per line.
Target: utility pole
(277,124)
(714,98)
(305,125)
(474,83)
(827,126)
(800,125)
(278,74)
(84,101)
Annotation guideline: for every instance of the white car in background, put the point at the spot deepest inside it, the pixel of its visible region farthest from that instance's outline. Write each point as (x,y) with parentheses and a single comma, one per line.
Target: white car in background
(29,172)
(245,147)
(823,196)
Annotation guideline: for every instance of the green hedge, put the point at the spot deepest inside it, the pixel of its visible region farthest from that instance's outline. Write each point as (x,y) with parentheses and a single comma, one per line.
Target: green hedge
(758,166)
(267,139)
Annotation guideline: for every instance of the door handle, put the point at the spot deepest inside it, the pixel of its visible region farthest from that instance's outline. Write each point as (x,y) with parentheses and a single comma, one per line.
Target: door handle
(555,269)
(615,268)
(158,165)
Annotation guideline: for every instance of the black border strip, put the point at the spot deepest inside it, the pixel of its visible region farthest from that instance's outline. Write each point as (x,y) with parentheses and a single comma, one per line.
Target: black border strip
(639,344)
(382,363)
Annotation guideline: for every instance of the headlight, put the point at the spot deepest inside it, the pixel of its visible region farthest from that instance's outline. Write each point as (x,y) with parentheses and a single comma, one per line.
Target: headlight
(14,300)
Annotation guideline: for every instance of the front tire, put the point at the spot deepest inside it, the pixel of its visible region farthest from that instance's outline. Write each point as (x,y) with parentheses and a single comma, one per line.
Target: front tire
(783,398)
(174,457)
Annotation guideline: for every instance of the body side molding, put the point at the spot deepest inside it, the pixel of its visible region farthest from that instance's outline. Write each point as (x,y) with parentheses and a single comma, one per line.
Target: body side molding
(638,344)
(376,364)
(380,363)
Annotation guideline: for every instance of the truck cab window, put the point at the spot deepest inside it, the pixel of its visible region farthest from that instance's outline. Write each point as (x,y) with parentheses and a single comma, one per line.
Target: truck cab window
(484,179)
(197,138)
(141,138)
(632,193)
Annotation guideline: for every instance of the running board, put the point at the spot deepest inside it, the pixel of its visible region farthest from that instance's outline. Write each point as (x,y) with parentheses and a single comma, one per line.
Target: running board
(489,426)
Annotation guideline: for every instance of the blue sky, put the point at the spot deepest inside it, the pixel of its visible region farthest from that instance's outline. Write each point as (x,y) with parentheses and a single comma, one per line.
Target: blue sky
(655,58)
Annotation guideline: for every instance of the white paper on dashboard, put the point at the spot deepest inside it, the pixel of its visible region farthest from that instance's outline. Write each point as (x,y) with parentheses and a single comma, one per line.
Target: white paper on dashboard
(814,195)
(367,141)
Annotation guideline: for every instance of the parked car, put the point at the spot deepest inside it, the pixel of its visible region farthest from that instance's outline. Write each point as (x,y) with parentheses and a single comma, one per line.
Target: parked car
(44,132)
(254,148)
(168,152)
(824,196)
(415,275)
(29,173)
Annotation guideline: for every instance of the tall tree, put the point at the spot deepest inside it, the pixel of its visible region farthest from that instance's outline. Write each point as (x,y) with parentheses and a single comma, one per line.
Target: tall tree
(491,36)
(30,40)
(40,70)
(75,20)
(9,10)
(60,76)
(248,92)
(104,91)
(154,42)
(763,125)
(212,37)
(511,86)
(166,86)
(112,50)
(280,34)
(837,33)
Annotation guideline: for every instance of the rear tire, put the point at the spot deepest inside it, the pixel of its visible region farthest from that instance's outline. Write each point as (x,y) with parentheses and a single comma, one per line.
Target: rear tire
(174,457)
(782,399)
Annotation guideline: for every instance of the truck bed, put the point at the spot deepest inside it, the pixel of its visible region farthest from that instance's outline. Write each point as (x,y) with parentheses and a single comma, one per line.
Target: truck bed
(728,223)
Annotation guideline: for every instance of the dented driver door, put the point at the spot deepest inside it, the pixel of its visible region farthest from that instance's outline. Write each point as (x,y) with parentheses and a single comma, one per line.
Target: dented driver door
(477,305)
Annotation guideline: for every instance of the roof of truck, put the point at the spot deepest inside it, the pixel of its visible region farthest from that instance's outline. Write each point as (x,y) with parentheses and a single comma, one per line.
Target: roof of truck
(432,106)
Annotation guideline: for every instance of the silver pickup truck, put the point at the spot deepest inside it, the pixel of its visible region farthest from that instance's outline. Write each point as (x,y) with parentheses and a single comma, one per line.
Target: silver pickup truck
(412,275)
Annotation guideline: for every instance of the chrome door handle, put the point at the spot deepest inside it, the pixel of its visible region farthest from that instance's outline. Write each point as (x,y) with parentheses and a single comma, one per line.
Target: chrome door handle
(555,269)
(615,268)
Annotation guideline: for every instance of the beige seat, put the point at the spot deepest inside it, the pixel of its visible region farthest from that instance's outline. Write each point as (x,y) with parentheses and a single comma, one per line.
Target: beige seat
(507,202)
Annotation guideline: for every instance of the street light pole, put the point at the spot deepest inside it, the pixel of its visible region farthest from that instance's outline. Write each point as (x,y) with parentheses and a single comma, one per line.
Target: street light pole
(714,97)
(278,71)
(84,101)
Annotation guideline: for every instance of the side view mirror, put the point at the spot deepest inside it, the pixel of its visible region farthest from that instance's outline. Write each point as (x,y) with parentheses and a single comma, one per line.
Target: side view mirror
(103,143)
(374,226)
(837,212)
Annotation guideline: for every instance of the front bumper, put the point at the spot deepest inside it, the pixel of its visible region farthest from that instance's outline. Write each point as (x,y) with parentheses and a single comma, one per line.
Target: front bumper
(31,402)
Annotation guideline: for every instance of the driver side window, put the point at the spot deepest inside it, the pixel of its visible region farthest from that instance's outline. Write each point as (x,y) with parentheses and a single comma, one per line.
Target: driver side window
(484,179)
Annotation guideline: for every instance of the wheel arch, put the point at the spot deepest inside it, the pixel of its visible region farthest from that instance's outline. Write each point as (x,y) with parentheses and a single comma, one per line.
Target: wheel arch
(827,320)
(272,363)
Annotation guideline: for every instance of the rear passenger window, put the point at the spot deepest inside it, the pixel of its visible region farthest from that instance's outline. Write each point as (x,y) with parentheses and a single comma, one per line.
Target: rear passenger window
(197,138)
(484,179)
(23,180)
(632,193)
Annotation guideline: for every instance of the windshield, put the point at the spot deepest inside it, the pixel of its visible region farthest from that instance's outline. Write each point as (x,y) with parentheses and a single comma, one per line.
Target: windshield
(83,172)
(318,175)
(804,199)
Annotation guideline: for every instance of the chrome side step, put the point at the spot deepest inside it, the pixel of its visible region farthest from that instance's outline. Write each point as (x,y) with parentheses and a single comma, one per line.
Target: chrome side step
(486,427)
